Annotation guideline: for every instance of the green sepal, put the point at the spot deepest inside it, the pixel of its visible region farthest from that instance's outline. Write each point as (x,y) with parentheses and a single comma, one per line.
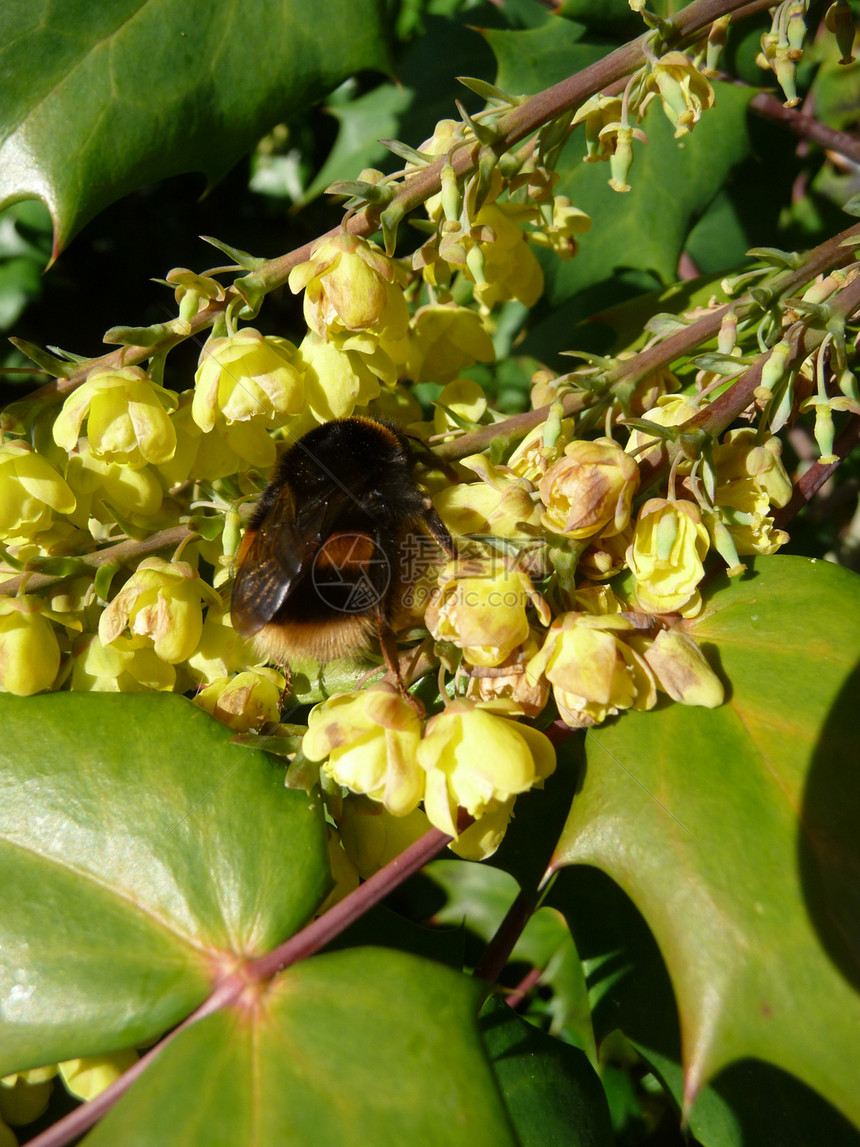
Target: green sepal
(147,336)
(407,153)
(104,576)
(54,366)
(777,258)
(241,258)
(488,92)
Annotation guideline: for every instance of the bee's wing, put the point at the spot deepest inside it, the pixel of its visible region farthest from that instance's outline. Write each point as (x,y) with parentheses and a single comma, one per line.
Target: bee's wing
(273,558)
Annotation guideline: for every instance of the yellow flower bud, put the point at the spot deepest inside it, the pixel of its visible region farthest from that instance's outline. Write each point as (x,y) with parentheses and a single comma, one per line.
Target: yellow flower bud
(350,284)
(484,614)
(247,701)
(126,417)
(31,492)
(162,601)
(29,652)
(246,376)
(473,759)
(372,836)
(370,740)
(666,554)
(87,1077)
(682,671)
(589,490)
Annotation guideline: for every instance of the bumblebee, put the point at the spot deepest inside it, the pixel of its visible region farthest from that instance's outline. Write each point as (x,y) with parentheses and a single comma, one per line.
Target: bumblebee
(324,565)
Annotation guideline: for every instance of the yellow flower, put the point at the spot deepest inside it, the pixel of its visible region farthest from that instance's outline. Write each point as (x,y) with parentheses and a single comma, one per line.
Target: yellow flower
(370,740)
(221,651)
(29,652)
(474,759)
(372,836)
(465,398)
(126,417)
(338,380)
(485,614)
(246,376)
(498,505)
(666,554)
(598,113)
(510,267)
(526,692)
(747,465)
(127,665)
(684,92)
(350,284)
(445,339)
(560,235)
(161,601)
(593,672)
(670,410)
(589,490)
(247,701)
(31,492)
(101,486)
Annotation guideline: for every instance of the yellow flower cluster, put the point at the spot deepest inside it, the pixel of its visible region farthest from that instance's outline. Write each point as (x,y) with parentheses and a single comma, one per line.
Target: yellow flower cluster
(522,618)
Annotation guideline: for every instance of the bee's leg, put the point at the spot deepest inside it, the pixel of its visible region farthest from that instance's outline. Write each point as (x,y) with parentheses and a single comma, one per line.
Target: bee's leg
(388,646)
(288,685)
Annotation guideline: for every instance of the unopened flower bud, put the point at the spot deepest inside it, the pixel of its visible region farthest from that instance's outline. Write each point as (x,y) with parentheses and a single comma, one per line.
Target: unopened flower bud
(682,671)
(29,651)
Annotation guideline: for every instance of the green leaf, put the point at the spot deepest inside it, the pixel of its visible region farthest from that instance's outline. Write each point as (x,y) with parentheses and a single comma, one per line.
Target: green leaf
(550,1089)
(733,830)
(359,1047)
(478,897)
(535,58)
(141,855)
(102,96)
(407,110)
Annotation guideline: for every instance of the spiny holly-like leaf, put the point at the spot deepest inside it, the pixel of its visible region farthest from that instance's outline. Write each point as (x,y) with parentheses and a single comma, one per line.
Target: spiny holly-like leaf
(141,855)
(102,96)
(351,1048)
(734,830)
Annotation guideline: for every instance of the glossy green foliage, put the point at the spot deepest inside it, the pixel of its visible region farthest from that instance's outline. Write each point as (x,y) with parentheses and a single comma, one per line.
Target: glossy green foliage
(101,97)
(141,856)
(366,1046)
(732,833)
